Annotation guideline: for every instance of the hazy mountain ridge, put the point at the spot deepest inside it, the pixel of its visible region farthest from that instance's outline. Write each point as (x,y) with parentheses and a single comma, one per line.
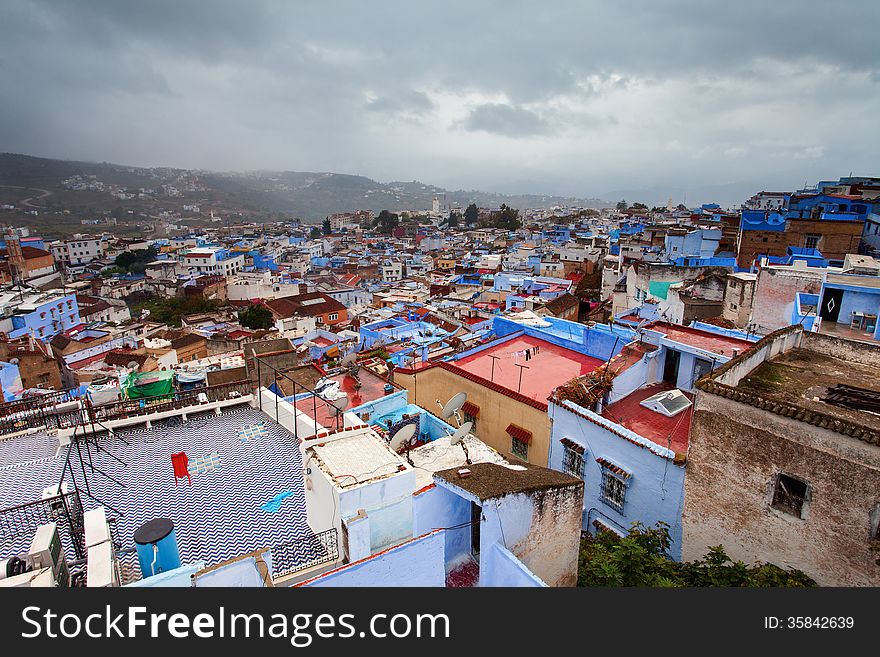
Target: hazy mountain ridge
(310,195)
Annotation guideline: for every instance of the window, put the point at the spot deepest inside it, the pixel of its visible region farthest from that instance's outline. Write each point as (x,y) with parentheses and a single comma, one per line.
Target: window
(519,448)
(472,419)
(333,317)
(812,241)
(790,495)
(613,491)
(573,462)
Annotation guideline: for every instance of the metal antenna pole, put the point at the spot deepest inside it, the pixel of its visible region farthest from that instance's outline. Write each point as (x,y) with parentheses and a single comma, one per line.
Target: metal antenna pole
(494,358)
(521,368)
(259,382)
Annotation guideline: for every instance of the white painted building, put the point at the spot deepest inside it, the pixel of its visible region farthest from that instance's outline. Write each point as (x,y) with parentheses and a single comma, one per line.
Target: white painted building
(212,261)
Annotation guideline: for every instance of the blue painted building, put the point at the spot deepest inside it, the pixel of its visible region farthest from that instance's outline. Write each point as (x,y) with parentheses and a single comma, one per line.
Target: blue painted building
(10,381)
(701,243)
(630,447)
(851,300)
(45,316)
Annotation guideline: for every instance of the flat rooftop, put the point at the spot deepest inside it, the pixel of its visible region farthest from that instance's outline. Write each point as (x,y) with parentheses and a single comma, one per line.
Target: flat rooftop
(490,480)
(238,461)
(440,454)
(359,456)
(550,367)
(705,340)
(799,376)
(371,387)
(670,432)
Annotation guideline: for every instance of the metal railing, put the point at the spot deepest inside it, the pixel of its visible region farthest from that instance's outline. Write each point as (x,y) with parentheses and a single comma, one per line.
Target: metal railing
(176,400)
(43,412)
(66,510)
(34,412)
(305,553)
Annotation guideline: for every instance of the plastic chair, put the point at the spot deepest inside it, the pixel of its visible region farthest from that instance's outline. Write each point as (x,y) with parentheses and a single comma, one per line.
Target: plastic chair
(180,463)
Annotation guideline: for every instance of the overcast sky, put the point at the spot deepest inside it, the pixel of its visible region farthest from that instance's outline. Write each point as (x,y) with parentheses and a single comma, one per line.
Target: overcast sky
(575,98)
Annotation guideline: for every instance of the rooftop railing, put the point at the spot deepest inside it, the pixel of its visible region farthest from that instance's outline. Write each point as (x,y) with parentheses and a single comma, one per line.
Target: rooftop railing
(47,411)
(305,553)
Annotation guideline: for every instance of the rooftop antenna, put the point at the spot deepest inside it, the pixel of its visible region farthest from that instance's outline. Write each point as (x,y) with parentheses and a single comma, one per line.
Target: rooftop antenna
(453,406)
(458,438)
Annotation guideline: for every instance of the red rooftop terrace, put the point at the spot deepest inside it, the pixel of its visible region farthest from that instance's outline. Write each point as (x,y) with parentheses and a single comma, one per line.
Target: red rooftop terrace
(371,387)
(544,371)
(670,432)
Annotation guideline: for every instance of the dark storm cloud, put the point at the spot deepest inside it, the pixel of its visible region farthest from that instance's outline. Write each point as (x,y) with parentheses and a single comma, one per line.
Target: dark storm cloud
(604,93)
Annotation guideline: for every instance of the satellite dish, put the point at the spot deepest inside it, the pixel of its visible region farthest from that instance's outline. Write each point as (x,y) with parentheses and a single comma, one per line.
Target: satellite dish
(349,360)
(460,433)
(453,406)
(14,361)
(402,436)
(133,365)
(340,404)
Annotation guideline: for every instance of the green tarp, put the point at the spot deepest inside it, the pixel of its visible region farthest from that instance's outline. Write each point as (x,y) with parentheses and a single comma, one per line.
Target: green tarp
(659,290)
(148,384)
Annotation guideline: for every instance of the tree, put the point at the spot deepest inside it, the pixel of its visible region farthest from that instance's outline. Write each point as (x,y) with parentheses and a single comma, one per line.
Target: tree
(639,206)
(452,220)
(168,310)
(326,226)
(314,233)
(508,218)
(386,222)
(471,215)
(256,316)
(621,205)
(640,559)
(136,261)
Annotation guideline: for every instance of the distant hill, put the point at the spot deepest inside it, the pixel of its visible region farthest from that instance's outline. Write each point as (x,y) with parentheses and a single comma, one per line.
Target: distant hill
(311,196)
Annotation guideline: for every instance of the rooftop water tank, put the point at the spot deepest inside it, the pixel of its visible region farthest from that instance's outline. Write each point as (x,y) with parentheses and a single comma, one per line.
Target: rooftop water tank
(157,547)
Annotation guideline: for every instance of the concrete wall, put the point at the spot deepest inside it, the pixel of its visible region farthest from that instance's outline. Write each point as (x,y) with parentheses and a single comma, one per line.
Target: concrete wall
(736,452)
(541,528)
(419,562)
(502,568)
(497,410)
(388,505)
(775,291)
(436,507)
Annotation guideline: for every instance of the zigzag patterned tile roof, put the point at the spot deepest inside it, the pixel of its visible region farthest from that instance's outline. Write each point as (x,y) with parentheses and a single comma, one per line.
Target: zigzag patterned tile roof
(216,518)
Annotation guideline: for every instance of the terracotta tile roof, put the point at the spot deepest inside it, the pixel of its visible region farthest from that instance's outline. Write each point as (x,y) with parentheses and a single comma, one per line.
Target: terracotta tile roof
(28,252)
(616,469)
(573,445)
(122,358)
(562,303)
(469,408)
(309,304)
(518,432)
